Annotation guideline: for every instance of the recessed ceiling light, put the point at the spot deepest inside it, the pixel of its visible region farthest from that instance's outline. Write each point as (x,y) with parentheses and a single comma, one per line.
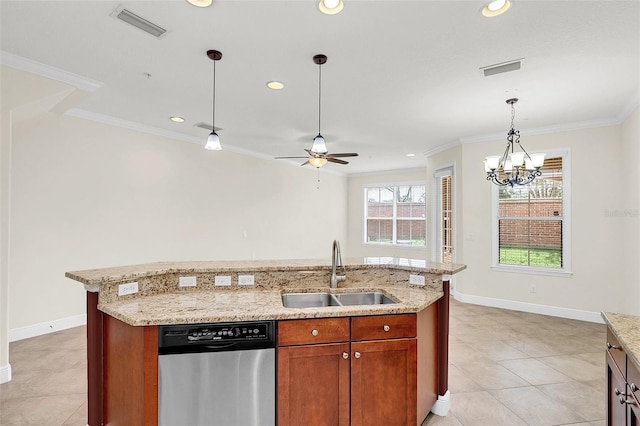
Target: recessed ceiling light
(495,8)
(177,119)
(411,155)
(200,3)
(330,7)
(275,85)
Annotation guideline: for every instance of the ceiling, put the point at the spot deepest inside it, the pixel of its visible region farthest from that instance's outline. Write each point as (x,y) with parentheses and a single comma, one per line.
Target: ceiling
(402,77)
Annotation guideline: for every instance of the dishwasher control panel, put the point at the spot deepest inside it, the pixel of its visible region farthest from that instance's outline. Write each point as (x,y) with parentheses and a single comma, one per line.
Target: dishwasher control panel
(216,335)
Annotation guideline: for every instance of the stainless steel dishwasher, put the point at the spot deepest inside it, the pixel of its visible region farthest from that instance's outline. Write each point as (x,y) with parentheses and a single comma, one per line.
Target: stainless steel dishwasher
(220,374)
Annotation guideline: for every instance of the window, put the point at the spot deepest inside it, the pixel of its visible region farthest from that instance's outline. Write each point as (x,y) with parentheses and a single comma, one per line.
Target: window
(395,215)
(531,221)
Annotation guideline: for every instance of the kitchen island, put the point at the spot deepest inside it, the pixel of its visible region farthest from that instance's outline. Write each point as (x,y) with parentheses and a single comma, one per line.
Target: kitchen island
(122,328)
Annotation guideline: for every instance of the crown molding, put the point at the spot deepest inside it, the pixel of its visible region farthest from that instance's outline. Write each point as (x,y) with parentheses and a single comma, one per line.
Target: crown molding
(441,148)
(567,127)
(38,68)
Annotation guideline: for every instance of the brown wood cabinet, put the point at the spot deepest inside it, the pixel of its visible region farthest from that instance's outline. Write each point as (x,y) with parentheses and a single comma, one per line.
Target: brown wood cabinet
(623,381)
(370,377)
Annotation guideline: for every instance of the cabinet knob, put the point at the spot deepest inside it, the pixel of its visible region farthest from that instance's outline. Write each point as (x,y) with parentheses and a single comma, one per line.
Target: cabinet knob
(623,400)
(386,328)
(345,355)
(314,332)
(618,392)
(633,387)
(357,354)
(610,346)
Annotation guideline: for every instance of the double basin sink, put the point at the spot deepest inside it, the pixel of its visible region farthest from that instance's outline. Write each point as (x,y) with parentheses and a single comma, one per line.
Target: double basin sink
(317,300)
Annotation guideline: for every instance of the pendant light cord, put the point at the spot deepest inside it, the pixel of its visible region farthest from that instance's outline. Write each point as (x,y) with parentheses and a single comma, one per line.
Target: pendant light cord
(213,118)
(319,95)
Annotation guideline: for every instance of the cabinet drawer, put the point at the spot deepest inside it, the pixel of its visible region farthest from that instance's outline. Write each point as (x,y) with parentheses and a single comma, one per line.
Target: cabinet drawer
(312,331)
(383,327)
(617,353)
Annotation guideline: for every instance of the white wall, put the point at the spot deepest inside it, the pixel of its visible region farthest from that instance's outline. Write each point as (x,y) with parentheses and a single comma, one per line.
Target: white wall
(629,218)
(89,195)
(356,246)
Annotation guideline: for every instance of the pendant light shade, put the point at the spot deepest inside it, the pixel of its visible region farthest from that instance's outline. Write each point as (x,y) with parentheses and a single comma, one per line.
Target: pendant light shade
(319,147)
(213,141)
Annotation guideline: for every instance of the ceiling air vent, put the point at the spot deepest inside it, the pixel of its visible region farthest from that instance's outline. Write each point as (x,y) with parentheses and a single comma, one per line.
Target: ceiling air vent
(206,126)
(131,18)
(500,68)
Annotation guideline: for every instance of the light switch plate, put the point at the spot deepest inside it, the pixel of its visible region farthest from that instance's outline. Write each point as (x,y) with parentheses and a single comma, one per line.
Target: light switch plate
(223,280)
(245,279)
(187,282)
(128,288)
(416,279)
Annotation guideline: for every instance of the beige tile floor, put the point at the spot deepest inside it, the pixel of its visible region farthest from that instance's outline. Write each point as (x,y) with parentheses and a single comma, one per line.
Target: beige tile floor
(506,368)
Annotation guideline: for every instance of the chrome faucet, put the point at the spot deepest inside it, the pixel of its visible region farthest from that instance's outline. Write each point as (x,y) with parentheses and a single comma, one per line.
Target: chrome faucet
(336,261)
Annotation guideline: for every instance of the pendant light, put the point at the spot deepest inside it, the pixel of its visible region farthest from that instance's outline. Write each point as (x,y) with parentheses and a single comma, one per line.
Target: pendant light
(213,141)
(319,146)
(513,168)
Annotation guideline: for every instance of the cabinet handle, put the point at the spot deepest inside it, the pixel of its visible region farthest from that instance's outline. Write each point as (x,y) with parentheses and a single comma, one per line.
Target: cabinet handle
(633,387)
(357,354)
(386,328)
(314,332)
(345,355)
(610,346)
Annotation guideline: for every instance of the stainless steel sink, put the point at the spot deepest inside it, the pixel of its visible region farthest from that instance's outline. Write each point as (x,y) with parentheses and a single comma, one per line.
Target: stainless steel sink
(309,300)
(373,298)
(317,300)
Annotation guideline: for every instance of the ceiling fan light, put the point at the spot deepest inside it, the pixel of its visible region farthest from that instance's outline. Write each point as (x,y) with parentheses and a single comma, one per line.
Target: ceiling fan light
(213,142)
(330,7)
(317,162)
(319,147)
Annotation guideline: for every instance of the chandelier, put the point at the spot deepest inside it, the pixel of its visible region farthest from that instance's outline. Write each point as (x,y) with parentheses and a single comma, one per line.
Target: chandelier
(513,168)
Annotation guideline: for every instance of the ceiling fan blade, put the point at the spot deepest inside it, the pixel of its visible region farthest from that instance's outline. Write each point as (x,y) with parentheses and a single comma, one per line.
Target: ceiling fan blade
(335,160)
(305,163)
(343,154)
(282,158)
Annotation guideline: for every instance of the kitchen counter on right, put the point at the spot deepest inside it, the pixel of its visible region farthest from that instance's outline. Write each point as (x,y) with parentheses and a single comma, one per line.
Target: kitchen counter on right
(626,329)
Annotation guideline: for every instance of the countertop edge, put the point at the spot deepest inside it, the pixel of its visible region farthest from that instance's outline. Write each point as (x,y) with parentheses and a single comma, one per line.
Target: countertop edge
(130,272)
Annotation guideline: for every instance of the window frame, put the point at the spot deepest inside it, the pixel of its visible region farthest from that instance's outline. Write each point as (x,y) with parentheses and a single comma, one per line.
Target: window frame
(565,271)
(394,219)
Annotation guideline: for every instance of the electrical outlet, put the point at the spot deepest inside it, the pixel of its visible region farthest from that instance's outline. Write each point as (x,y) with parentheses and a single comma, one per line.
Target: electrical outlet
(128,288)
(187,282)
(245,280)
(533,289)
(416,279)
(223,280)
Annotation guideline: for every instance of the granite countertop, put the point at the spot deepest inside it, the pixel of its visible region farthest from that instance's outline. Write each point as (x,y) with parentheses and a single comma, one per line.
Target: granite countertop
(626,328)
(132,272)
(250,305)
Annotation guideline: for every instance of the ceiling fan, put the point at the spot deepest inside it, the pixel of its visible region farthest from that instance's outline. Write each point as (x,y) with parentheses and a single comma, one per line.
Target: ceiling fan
(318,154)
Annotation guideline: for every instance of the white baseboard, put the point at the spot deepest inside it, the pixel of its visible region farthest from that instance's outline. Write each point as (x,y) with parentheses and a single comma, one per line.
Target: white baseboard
(5,373)
(554,311)
(442,405)
(46,327)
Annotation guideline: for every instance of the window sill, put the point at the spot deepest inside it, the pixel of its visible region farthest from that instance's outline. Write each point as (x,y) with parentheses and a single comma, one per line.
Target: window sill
(533,271)
(395,246)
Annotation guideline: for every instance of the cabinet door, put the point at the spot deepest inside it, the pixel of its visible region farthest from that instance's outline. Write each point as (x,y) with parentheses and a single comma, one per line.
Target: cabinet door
(616,412)
(313,385)
(383,382)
